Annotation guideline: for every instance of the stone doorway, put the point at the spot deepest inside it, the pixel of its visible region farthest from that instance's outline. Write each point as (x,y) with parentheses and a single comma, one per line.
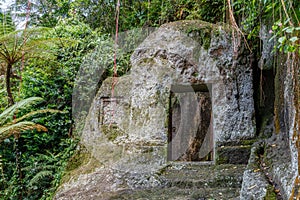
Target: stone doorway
(190,135)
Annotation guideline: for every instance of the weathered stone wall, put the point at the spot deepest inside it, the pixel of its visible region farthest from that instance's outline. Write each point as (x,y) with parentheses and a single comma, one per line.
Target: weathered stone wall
(278,163)
(181,53)
(284,159)
(134,142)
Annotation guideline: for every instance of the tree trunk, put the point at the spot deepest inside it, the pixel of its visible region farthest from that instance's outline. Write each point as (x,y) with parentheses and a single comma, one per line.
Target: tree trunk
(8,85)
(19,167)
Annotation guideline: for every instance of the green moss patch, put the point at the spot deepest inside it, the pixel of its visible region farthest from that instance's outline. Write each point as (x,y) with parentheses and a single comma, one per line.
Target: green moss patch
(82,162)
(201,35)
(111,132)
(271,195)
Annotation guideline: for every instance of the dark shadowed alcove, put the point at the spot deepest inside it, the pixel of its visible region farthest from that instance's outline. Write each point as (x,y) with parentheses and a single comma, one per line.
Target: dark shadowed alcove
(190,136)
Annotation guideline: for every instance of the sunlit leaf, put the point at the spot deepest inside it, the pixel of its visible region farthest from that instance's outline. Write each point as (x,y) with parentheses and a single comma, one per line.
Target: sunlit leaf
(289,29)
(282,39)
(293,39)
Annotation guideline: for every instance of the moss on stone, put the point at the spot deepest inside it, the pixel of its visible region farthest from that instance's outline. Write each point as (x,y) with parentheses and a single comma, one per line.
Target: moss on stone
(80,157)
(107,152)
(279,97)
(221,160)
(82,162)
(248,142)
(111,132)
(270,195)
(263,125)
(200,31)
(203,36)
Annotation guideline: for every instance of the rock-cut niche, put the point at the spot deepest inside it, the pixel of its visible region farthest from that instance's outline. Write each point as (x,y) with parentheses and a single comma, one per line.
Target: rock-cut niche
(190,134)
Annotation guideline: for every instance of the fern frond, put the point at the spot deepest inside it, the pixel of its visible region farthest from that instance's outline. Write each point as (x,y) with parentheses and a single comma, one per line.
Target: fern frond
(39,176)
(39,168)
(38,112)
(32,43)
(7,114)
(9,127)
(12,129)
(7,24)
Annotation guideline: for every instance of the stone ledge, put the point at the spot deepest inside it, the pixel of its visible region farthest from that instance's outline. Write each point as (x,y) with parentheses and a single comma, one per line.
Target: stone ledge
(233,154)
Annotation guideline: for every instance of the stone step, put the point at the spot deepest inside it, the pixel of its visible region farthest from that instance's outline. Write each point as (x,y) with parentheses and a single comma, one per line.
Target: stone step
(179,194)
(208,176)
(193,182)
(233,154)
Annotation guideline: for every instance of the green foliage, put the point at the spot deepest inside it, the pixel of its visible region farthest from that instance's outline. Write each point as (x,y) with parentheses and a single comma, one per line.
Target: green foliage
(44,155)
(283,14)
(81,44)
(48,73)
(29,43)
(44,13)
(287,36)
(44,171)
(247,14)
(3,100)
(100,15)
(134,14)
(41,175)
(7,24)
(20,46)
(10,124)
(7,115)
(156,12)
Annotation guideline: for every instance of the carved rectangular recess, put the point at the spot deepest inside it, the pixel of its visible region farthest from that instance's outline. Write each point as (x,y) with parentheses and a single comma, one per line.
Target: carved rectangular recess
(190,135)
(109,110)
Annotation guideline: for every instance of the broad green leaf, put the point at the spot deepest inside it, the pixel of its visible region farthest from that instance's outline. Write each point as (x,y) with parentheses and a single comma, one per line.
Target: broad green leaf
(274,27)
(293,39)
(282,39)
(289,29)
(289,48)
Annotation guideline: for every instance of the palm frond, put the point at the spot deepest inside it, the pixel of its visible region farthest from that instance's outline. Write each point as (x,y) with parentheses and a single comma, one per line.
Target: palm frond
(7,114)
(12,129)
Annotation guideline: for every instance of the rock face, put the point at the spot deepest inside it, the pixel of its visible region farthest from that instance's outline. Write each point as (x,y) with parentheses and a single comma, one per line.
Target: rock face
(130,134)
(276,168)
(188,54)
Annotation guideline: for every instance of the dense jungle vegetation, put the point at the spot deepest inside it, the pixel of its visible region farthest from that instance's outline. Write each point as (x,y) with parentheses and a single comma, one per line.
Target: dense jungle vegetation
(44,43)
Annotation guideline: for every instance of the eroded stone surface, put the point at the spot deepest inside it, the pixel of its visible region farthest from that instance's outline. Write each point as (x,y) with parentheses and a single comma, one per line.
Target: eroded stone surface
(254,184)
(271,169)
(134,144)
(279,160)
